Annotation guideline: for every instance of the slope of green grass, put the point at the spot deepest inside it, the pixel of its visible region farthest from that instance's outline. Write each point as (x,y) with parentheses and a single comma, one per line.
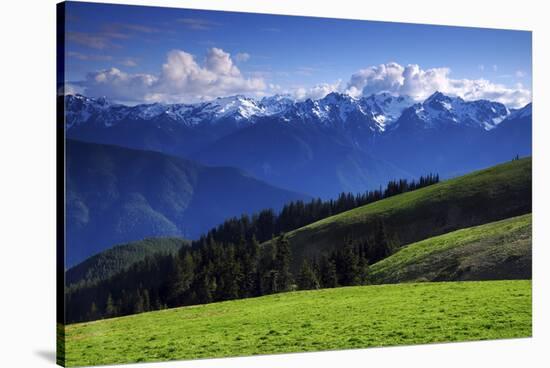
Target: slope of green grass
(342,318)
(119,258)
(498,250)
(484,196)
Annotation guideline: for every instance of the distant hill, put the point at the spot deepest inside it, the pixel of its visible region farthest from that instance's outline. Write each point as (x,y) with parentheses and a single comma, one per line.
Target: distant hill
(117,195)
(118,258)
(494,251)
(484,196)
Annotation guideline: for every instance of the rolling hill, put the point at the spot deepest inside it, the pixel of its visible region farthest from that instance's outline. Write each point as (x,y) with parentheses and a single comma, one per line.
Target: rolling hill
(498,250)
(105,264)
(117,195)
(484,196)
(341,318)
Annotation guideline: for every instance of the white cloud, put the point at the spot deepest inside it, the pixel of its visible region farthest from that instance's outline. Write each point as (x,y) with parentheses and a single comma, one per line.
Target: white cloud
(520,73)
(317,91)
(418,83)
(375,79)
(181,79)
(129,62)
(242,57)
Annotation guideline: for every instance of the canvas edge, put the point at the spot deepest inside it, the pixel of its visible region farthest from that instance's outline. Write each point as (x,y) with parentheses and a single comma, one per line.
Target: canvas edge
(60,184)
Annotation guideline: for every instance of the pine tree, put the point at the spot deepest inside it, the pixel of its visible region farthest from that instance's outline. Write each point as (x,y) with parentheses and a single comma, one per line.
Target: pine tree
(380,248)
(327,272)
(138,302)
(250,268)
(363,270)
(110,308)
(347,265)
(282,263)
(93,311)
(307,279)
(146,301)
(181,274)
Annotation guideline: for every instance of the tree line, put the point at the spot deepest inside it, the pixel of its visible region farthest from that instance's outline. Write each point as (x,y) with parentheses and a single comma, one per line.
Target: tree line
(228,262)
(218,272)
(265,224)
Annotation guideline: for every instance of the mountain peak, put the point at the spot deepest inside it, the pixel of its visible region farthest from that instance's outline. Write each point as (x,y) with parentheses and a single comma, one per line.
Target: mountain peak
(441,110)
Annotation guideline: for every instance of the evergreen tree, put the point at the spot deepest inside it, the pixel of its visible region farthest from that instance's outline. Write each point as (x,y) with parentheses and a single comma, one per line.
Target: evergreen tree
(250,259)
(146,300)
(282,263)
(307,278)
(363,270)
(327,272)
(138,302)
(93,311)
(110,308)
(347,265)
(181,272)
(380,248)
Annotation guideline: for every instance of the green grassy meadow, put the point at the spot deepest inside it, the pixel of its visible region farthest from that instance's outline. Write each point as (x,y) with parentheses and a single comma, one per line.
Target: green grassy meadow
(341,318)
(497,250)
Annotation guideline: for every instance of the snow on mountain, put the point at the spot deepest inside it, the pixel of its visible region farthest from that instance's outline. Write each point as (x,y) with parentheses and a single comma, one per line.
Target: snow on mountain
(333,108)
(80,109)
(440,109)
(524,112)
(377,112)
(276,104)
(386,108)
(239,106)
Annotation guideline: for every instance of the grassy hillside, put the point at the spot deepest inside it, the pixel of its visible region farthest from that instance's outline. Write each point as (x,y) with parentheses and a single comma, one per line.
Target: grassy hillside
(498,250)
(484,196)
(342,318)
(119,258)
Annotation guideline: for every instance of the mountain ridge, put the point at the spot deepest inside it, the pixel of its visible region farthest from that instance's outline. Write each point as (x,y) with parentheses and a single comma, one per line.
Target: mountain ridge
(117,195)
(321,147)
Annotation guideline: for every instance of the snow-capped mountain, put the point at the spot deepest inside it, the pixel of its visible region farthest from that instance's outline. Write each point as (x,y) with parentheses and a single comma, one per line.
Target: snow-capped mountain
(276,104)
(378,111)
(524,112)
(81,109)
(440,110)
(336,108)
(386,108)
(319,147)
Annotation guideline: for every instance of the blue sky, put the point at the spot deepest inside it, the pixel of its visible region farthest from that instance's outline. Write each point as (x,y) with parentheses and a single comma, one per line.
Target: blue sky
(218,53)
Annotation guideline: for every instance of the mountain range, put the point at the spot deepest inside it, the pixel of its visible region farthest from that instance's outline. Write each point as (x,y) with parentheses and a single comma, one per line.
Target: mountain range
(115,195)
(319,147)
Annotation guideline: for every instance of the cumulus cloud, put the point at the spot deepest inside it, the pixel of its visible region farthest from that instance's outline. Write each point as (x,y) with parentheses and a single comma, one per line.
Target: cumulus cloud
(375,79)
(419,83)
(184,78)
(520,74)
(181,79)
(317,91)
(242,57)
